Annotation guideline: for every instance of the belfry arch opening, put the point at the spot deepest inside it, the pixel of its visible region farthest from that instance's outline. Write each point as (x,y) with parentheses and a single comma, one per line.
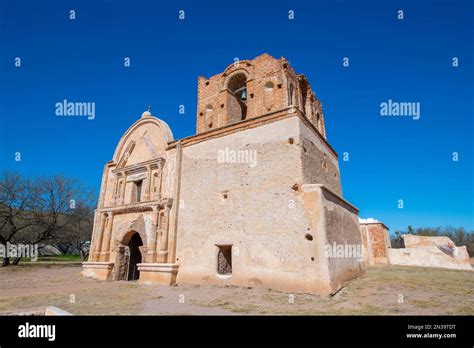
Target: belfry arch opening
(237,100)
(135,256)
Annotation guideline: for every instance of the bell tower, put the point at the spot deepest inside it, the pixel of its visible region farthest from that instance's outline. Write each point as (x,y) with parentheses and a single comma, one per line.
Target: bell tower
(252,88)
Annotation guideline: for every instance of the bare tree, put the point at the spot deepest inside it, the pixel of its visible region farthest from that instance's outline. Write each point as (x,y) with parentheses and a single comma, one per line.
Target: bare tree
(45,209)
(78,233)
(16,198)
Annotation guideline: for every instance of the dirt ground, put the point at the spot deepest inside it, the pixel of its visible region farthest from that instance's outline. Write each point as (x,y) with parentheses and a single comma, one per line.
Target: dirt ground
(384,290)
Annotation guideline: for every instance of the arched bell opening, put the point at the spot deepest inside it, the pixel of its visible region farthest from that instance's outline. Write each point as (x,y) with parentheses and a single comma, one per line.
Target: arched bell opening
(237,102)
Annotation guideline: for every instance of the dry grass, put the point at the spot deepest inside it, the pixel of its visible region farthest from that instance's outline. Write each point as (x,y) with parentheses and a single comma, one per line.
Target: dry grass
(383,290)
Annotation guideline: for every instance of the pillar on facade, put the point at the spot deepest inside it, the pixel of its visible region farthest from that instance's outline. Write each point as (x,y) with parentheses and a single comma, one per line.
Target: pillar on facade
(164,232)
(122,192)
(151,253)
(105,253)
(99,238)
(148,194)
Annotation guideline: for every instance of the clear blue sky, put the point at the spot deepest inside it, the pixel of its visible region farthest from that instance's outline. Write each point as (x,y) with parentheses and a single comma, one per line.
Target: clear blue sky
(390,158)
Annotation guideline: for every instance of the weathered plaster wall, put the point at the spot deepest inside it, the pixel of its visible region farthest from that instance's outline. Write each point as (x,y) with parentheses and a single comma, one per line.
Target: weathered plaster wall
(140,222)
(259,210)
(430,257)
(320,164)
(428,251)
(260,216)
(146,140)
(342,228)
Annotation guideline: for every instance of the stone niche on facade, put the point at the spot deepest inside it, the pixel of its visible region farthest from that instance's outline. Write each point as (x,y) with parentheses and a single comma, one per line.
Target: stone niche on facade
(138,183)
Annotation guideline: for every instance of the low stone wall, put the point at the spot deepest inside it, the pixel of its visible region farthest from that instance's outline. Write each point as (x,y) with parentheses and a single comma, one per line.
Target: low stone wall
(431,256)
(423,251)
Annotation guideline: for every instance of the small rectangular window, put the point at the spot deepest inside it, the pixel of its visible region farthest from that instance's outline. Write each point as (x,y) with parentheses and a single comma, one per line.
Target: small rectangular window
(224,259)
(138,185)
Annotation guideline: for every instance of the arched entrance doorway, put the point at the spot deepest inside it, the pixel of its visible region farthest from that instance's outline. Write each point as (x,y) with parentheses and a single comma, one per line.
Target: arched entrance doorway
(135,256)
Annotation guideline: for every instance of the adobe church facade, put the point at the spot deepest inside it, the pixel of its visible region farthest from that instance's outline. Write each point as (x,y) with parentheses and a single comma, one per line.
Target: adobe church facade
(252,199)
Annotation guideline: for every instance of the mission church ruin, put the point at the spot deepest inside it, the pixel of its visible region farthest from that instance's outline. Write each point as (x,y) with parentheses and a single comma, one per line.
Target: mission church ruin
(170,211)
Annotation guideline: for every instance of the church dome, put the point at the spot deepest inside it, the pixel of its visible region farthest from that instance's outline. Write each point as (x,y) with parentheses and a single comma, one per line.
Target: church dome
(146,114)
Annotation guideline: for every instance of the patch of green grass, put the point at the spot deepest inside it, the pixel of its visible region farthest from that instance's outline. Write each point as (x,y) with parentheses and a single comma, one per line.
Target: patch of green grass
(50,258)
(61,258)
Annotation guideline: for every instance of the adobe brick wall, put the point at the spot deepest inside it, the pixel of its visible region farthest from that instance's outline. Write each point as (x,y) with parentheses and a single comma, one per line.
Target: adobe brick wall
(376,239)
(272,85)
